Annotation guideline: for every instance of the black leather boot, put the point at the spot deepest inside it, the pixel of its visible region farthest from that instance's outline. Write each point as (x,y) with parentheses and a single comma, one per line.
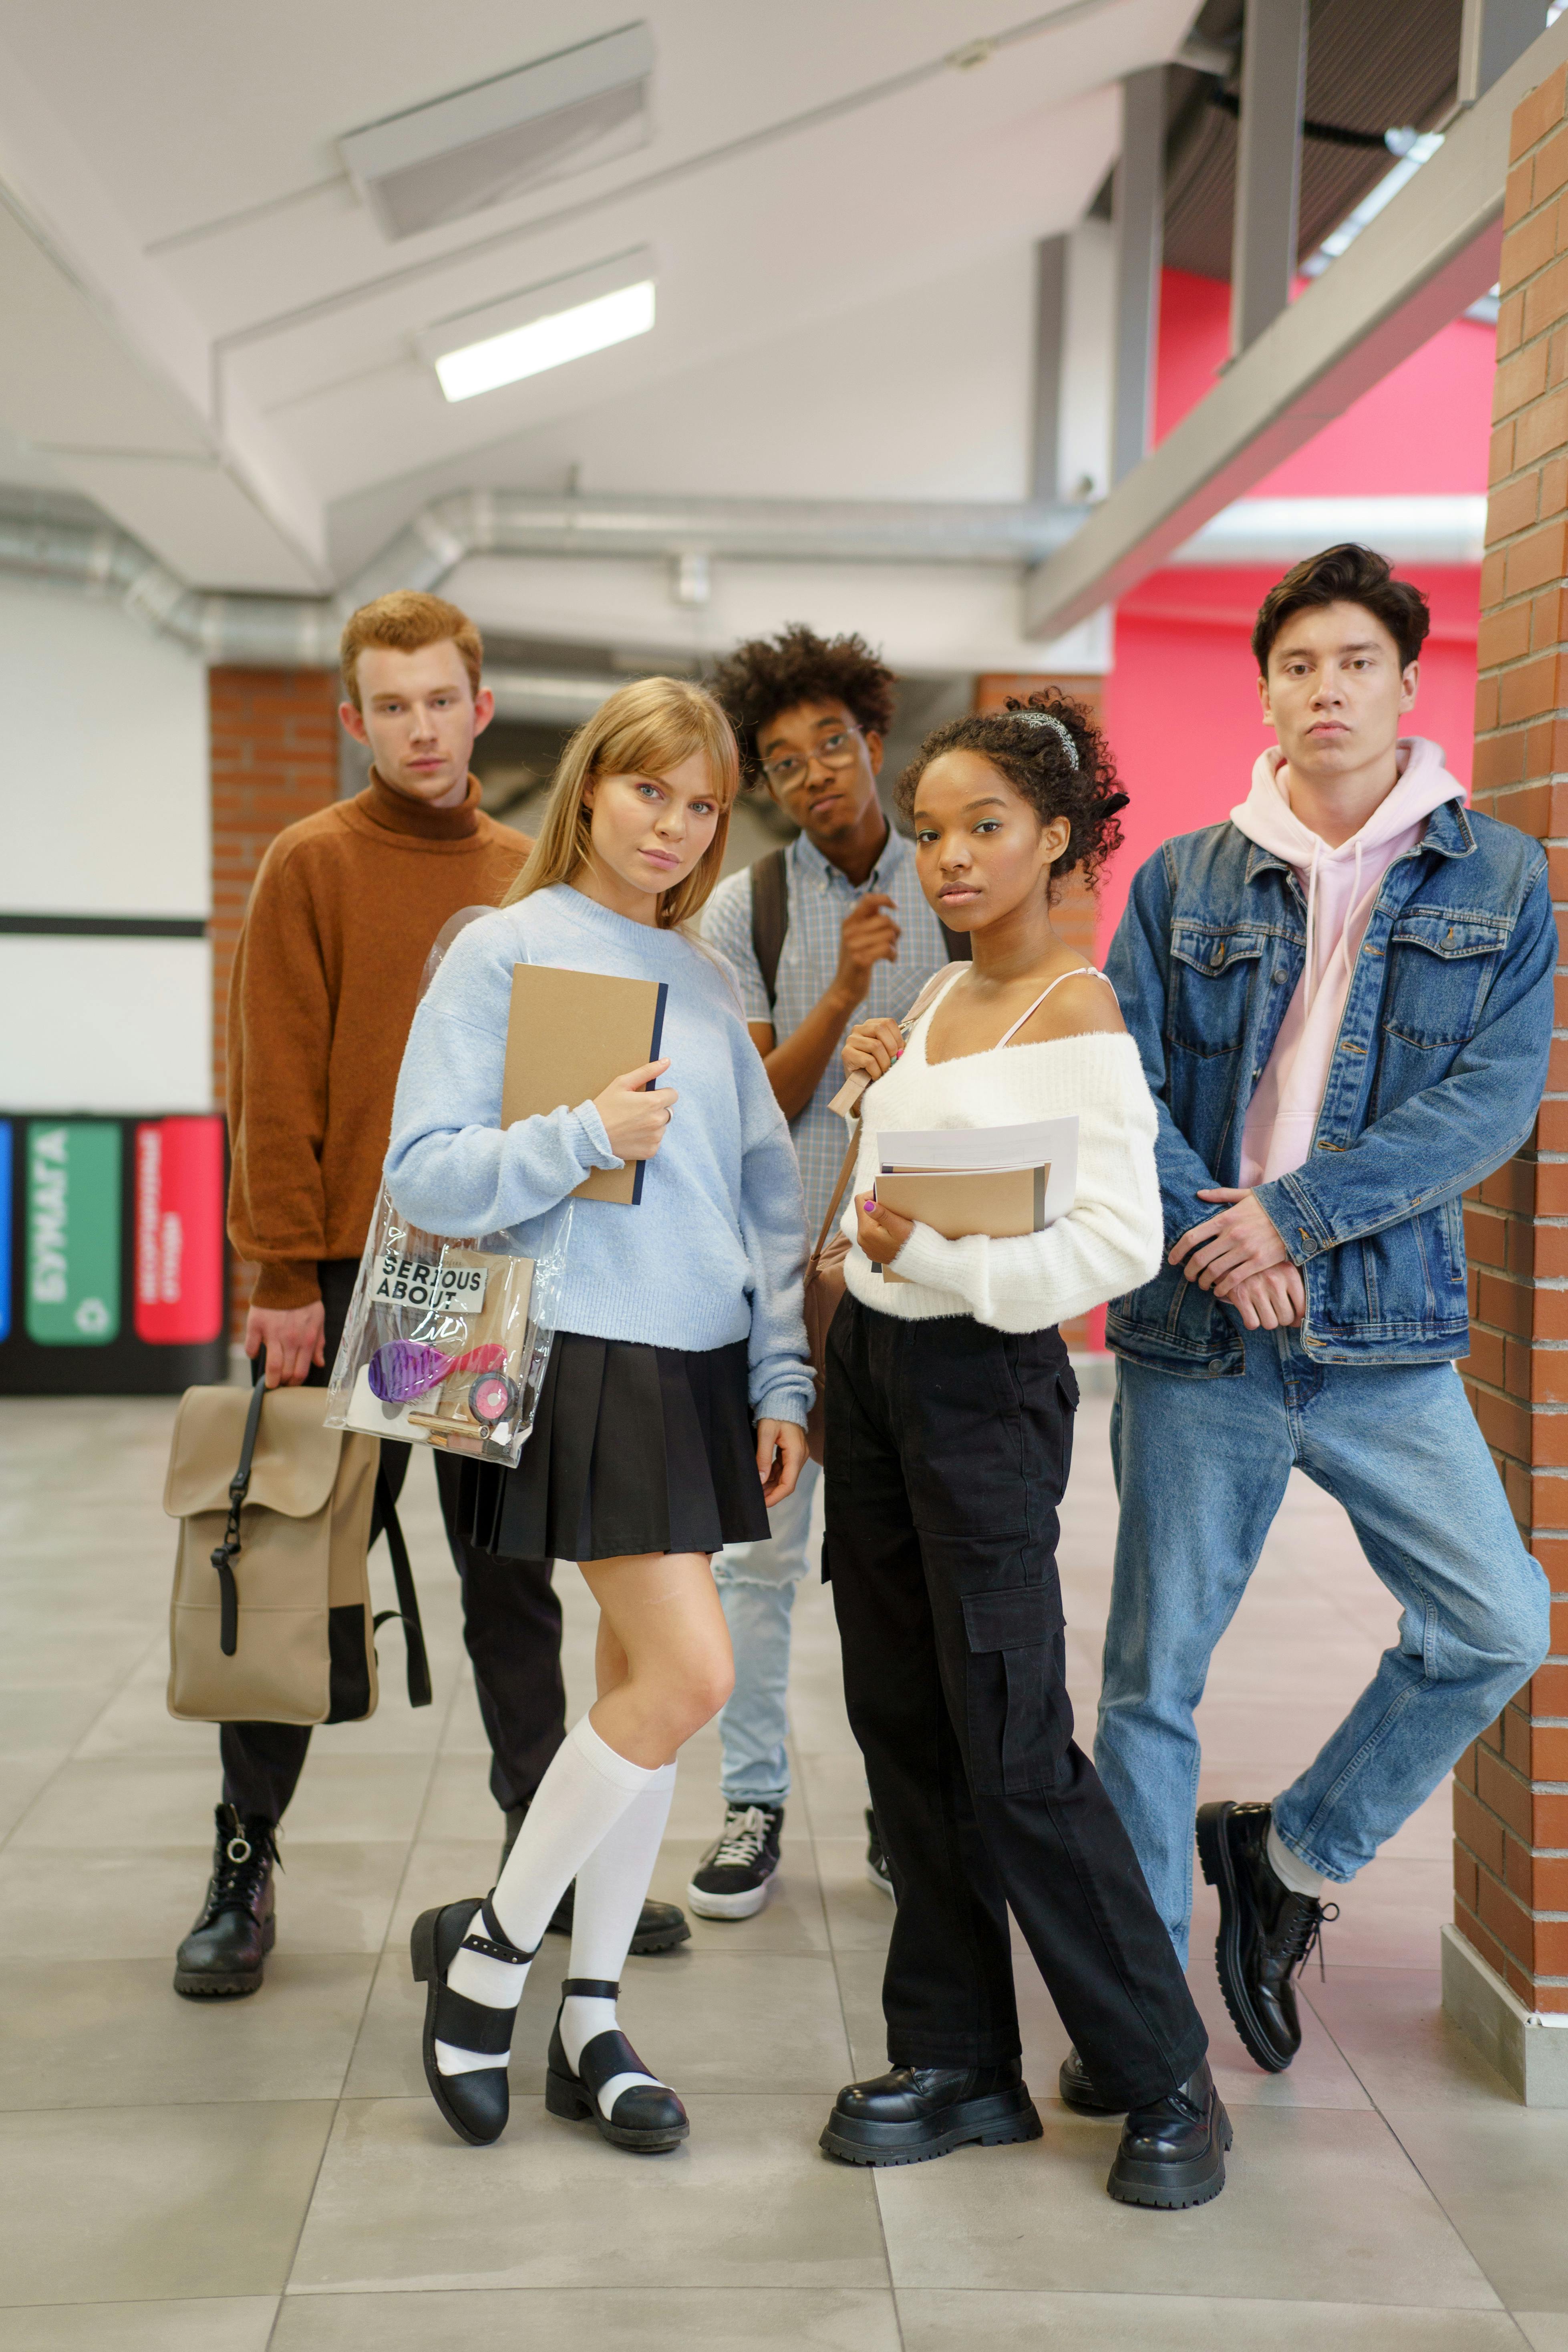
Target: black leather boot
(1173,2152)
(1074,2087)
(647,2118)
(227,1950)
(659,1928)
(1265,1931)
(475,2104)
(913,2112)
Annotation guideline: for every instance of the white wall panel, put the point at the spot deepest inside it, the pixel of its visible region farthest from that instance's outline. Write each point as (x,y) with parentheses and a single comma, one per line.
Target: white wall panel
(105,1024)
(103,784)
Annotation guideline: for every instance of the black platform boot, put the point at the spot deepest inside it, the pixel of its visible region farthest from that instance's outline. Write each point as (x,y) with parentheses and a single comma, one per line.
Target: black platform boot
(475,2104)
(646,2117)
(1266,1930)
(225,1951)
(660,1926)
(1076,2088)
(1173,2151)
(913,2112)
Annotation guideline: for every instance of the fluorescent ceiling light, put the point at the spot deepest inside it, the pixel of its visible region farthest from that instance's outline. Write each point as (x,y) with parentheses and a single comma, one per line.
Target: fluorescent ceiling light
(548,343)
(481,146)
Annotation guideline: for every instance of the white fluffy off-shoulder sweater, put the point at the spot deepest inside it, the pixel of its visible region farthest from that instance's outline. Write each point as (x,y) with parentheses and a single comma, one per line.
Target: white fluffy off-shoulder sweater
(1111,1241)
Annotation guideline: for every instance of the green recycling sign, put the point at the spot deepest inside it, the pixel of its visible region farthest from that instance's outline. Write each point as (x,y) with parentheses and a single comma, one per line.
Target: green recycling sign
(72,1226)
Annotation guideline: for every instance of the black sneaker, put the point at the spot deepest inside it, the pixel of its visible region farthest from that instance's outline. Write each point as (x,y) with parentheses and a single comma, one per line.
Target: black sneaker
(1265,1931)
(876,1869)
(660,1926)
(227,1950)
(732,1879)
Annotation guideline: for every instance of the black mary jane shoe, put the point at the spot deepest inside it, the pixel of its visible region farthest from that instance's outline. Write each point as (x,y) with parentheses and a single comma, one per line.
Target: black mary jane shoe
(913,2112)
(1076,2088)
(1173,2151)
(475,2104)
(647,2117)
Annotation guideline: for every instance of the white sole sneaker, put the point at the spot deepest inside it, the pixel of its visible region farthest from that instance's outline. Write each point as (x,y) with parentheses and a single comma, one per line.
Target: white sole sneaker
(729,1906)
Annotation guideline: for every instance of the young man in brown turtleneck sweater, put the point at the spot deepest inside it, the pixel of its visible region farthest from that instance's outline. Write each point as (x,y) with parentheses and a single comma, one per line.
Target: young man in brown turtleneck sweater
(345,910)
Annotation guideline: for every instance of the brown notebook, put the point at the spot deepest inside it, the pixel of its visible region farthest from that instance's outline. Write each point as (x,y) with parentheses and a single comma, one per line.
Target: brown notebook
(955,1203)
(569,1034)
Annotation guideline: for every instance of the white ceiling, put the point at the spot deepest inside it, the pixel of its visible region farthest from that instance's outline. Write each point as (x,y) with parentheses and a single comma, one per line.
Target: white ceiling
(219,344)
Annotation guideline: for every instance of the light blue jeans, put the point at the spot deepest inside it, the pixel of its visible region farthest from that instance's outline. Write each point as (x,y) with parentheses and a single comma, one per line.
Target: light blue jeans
(1201,1469)
(756,1587)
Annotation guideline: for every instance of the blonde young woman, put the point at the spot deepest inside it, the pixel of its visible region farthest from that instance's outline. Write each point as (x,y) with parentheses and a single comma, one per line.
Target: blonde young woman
(673,1411)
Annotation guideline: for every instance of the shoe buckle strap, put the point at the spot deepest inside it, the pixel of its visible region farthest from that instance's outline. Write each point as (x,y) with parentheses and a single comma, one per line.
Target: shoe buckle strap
(496,1945)
(589,1989)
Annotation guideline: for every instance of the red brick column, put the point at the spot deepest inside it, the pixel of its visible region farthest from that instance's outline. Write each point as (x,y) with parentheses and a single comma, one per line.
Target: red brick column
(274,760)
(1511,1795)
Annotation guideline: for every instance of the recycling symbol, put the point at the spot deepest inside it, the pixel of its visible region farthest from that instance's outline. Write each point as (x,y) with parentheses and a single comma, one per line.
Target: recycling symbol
(91,1317)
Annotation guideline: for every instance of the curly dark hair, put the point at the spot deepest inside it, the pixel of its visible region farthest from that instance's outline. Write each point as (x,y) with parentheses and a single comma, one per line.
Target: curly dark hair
(768,674)
(1025,743)
(1346,574)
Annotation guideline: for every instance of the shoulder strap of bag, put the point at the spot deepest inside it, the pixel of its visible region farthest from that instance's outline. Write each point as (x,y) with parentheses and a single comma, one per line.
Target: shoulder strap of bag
(770,915)
(847,1100)
(225,1554)
(407,1607)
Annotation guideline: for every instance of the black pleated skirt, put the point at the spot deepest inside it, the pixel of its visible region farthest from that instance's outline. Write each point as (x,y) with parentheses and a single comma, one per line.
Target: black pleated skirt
(634,1450)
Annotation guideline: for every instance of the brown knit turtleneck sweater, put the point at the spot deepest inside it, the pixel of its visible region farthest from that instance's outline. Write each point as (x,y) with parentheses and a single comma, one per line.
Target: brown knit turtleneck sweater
(345,910)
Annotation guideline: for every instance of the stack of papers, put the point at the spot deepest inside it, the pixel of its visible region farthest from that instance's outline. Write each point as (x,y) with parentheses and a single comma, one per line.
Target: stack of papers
(999,1180)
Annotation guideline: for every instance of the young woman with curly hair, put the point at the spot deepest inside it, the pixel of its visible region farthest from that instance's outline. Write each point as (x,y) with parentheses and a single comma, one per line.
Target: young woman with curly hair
(950,1404)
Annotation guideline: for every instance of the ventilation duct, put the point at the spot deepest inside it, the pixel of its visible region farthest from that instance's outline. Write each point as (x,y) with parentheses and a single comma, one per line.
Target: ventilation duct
(481,146)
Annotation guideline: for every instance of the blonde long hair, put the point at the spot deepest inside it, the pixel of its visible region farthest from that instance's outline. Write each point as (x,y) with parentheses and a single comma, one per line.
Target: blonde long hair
(644,729)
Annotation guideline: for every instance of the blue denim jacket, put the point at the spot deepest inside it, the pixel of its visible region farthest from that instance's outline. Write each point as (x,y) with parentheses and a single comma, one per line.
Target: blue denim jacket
(1435,1081)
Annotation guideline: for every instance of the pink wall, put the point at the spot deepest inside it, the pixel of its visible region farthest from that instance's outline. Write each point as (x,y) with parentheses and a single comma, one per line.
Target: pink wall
(1180,703)
(1425,427)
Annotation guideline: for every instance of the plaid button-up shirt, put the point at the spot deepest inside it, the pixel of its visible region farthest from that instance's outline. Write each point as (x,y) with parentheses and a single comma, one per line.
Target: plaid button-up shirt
(819,899)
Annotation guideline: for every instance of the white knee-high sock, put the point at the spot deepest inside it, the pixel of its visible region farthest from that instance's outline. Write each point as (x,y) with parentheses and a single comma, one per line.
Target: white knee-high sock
(611,1886)
(582,1796)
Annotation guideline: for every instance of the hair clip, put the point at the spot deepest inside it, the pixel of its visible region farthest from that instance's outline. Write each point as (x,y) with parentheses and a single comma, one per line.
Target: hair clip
(401,1369)
(1049,719)
(1113,804)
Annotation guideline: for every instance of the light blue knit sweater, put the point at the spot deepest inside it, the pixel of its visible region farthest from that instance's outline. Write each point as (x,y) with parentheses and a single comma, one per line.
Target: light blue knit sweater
(714,1250)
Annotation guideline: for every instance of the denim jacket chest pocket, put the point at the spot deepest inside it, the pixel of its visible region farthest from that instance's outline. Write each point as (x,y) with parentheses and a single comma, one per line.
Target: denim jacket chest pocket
(1213,970)
(1440,964)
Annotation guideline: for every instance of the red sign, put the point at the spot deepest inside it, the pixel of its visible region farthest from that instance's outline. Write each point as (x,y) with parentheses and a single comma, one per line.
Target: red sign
(179,1231)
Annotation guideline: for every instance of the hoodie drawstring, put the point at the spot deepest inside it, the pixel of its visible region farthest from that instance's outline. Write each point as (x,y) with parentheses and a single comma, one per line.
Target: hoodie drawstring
(1313,925)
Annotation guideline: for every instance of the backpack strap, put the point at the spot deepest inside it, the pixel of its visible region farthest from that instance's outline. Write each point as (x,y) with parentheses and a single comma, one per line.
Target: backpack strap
(770,915)
(407,1609)
(225,1553)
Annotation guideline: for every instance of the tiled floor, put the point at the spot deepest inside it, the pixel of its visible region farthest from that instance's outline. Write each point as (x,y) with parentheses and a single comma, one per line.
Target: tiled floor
(271,2172)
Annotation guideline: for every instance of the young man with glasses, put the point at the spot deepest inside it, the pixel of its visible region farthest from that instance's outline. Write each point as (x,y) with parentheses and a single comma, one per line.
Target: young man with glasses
(832,930)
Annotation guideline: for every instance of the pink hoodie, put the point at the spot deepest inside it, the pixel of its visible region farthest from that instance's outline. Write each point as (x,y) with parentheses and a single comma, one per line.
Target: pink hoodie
(1341,885)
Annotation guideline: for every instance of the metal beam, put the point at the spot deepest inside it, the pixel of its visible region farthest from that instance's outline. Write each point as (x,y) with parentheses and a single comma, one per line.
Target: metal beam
(1138,208)
(1268,166)
(1424,259)
(1050,337)
(1492,34)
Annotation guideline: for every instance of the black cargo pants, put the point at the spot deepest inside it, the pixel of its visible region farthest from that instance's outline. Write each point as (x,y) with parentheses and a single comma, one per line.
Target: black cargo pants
(948,1450)
(512,1624)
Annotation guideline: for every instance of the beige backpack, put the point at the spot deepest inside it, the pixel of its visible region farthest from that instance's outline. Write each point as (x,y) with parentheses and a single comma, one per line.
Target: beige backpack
(271,1619)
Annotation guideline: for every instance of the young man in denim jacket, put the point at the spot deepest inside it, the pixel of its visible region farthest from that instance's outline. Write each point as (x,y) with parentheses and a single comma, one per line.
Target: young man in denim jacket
(1344,997)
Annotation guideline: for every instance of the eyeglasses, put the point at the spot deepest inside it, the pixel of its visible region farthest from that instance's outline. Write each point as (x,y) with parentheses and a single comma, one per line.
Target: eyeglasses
(833,752)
